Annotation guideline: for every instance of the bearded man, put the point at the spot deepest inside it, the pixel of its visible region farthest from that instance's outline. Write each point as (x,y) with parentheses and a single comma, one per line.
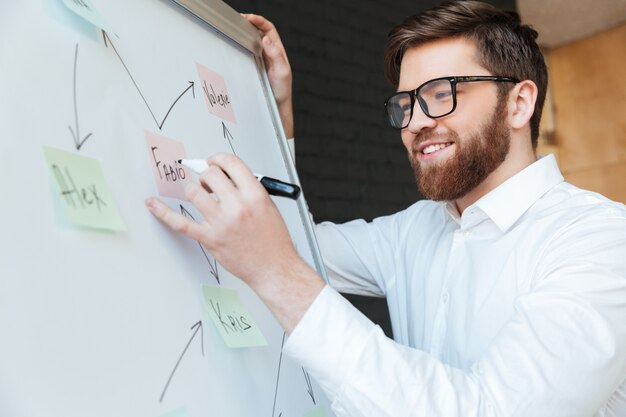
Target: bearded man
(506,289)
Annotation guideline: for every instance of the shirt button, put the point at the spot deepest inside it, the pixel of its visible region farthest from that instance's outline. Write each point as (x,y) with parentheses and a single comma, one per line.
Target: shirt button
(467,233)
(445,297)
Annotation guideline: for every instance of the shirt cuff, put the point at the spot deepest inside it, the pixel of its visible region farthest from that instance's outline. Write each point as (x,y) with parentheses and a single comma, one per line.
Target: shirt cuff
(329,340)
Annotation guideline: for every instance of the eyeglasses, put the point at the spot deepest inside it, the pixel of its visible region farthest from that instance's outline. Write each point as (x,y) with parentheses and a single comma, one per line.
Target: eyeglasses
(437,98)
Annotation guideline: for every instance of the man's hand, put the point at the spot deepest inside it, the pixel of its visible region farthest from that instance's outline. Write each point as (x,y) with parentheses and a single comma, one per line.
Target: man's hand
(244,231)
(278,69)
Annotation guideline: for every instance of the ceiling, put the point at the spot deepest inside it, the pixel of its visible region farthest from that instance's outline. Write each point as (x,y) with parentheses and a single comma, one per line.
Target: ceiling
(562,21)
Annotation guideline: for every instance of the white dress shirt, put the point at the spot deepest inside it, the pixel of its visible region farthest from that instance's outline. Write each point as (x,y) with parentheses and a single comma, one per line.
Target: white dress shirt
(515,308)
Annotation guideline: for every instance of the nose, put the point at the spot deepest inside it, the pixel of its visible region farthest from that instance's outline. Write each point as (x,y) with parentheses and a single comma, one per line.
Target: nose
(420,120)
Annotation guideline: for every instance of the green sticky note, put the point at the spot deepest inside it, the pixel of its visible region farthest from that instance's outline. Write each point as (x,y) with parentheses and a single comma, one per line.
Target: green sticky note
(231,318)
(83,191)
(318,411)
(85,9)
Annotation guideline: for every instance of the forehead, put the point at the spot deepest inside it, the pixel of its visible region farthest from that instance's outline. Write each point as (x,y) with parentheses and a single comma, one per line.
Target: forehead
(440,58)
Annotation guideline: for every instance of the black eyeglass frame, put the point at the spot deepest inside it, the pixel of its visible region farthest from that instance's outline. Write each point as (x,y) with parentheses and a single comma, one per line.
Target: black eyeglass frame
(454,80)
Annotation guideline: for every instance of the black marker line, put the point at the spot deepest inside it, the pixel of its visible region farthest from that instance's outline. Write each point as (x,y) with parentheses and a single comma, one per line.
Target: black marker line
(228,136)
(76,135)
(61,181)
(212,264)
(197,326)
(107,41)
(176,101)
(74,188)
(280,361)
(309,385)
(105,36)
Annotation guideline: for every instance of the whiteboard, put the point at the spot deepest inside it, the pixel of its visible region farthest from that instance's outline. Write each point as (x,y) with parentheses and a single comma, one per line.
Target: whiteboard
(114,323)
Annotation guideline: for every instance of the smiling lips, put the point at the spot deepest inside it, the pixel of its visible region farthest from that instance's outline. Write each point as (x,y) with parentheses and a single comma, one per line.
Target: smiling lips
(435,147)
(430,148)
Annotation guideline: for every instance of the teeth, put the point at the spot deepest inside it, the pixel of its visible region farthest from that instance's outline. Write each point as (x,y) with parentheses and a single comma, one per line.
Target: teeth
(433,148)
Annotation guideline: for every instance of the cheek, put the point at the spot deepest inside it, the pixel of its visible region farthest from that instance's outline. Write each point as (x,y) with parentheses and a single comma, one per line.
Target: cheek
(474,110)
(407,139)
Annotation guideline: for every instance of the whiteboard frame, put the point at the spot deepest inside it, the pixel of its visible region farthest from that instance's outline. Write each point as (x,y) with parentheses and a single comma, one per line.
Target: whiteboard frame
(221,17)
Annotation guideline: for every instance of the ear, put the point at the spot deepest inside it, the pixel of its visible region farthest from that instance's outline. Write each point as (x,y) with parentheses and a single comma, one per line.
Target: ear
(522,103)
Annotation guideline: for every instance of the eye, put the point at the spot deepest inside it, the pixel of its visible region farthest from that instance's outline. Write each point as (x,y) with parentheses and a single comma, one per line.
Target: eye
(403,102)
(436,91)
(443,95)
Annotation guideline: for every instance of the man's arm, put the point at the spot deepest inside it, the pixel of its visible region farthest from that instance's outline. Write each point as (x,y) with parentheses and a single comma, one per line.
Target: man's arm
(244,231)
(278,69)
(560,355)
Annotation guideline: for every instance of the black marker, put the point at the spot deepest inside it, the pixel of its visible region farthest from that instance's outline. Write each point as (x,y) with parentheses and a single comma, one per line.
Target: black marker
(272,185)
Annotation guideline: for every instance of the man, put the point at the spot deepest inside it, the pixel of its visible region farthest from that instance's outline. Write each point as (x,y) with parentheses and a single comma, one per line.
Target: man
(507,290)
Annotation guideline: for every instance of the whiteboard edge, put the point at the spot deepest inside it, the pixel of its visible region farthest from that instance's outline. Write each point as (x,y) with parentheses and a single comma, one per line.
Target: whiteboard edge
(228,21)
(293,174)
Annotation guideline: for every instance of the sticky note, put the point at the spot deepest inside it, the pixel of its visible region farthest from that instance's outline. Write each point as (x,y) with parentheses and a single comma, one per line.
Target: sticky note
(231,318)
(181,412)
(85,9)
(318,411)
(215,93)
(169,175)
(83,191)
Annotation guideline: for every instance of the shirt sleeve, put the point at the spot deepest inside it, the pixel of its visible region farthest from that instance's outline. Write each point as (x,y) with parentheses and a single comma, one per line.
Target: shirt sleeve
(365,374)
(359,256)
(562,353)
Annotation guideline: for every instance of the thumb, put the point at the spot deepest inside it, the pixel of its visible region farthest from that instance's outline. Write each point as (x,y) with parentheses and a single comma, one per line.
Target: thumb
(270,47)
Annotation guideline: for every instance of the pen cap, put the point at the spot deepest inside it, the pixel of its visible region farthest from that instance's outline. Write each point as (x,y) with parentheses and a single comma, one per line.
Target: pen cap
(280,188)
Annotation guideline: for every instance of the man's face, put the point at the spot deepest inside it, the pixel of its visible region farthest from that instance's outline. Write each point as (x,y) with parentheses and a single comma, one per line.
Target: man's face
(452,155)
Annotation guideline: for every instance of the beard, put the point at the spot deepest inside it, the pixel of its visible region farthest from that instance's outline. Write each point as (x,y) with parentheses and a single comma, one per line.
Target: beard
(475,157)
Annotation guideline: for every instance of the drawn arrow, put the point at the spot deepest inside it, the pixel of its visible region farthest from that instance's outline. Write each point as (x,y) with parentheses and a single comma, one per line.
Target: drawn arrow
(212,263)
(197,326)
(191,86)
(309,385)
(107,41)
(229,137)
(280,361)
(78,142)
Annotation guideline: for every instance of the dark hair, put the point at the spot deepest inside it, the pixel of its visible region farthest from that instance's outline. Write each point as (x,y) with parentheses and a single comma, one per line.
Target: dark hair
(505,46)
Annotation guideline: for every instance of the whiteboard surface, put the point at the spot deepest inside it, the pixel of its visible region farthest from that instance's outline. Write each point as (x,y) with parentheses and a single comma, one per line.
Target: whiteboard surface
(95,323)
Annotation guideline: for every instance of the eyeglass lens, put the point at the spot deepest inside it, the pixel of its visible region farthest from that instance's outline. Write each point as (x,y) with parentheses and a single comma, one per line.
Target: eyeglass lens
(435,99)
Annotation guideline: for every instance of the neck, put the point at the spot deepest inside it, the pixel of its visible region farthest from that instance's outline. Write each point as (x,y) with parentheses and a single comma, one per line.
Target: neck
(518,158)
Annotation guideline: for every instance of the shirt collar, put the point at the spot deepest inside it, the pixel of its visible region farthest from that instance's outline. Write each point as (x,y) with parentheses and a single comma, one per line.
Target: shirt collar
(506,203)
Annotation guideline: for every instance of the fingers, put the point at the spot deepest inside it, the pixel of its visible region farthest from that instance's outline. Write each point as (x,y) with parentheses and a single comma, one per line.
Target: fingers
(214,180)
(278,68)
(261,23)
(237,171)
(272,45)
(272,51)
(201,200)
(231,182)
(175,221)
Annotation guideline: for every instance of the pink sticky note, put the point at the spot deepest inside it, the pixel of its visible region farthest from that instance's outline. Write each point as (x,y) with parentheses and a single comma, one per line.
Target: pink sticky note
(169,175)
(215,93)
